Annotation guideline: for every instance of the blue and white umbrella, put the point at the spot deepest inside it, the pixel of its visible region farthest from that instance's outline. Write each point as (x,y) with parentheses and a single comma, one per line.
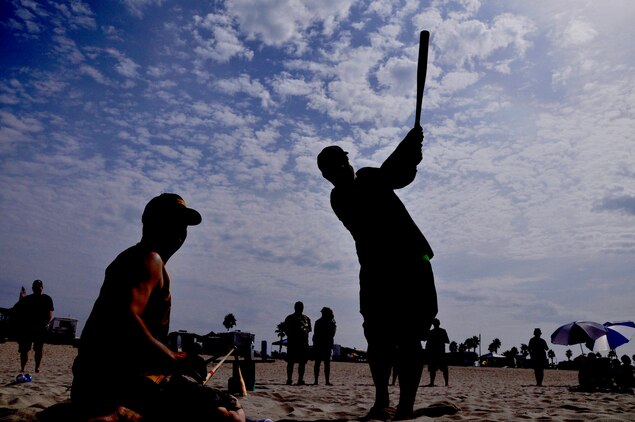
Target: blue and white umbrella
(617,334)
(578,332)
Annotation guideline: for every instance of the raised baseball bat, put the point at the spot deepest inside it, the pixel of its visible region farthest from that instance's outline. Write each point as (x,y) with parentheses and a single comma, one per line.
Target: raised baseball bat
(211,373)
(422,68)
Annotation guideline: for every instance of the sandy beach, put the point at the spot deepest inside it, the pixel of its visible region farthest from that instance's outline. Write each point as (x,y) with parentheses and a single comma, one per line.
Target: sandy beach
(481,394)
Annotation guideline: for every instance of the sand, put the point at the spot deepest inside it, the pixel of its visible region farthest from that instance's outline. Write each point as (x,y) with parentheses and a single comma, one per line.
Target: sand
(482,394)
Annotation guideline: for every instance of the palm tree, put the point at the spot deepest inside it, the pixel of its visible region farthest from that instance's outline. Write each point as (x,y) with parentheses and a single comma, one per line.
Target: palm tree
(511,355)
(568,354)
(551,354)
(280,332)
(477,342)
(229,321)
(463,348)
(469,343)
(524,350)
(454,347)
(494,346)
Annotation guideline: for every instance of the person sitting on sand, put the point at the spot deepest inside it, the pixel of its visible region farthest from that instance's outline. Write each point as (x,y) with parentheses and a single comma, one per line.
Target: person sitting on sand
(624,379)
(124,369)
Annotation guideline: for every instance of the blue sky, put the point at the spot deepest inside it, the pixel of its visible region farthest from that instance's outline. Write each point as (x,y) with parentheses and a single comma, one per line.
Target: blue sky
(526,190)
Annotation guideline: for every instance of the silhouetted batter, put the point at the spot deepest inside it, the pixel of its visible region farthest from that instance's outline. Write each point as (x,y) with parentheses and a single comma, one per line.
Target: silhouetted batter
(397,295)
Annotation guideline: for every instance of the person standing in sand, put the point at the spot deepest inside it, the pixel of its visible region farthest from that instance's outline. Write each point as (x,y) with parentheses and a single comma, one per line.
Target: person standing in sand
(435,348)
(538,353)
(297,327)
(323,336)
(124,369)
(32,315)
(398,298)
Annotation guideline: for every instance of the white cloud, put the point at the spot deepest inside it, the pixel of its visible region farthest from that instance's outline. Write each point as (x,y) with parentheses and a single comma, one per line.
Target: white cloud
(456,81)
(464,42)
(26,124)
(77,15)
(286,85)
(244,84)
(94,73)
(278,22)
(136,7)
(577,33)
(217,40)
(125,66)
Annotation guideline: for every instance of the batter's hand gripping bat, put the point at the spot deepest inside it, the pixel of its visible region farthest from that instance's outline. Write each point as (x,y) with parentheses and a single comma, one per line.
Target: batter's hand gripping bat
(422,67)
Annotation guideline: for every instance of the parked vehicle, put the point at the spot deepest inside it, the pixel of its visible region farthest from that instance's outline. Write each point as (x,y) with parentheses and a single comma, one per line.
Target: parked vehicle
(62,331)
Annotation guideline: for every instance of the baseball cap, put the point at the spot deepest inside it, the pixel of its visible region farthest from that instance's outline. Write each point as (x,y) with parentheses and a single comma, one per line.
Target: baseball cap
(170,205)
(38,283)
(330,157)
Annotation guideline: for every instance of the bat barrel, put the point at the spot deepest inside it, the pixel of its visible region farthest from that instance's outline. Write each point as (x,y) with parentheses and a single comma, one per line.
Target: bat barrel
(422,67)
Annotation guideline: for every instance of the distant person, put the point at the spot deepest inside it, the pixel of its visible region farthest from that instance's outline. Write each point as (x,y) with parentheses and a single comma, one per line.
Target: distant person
(435,348)
(32,315)
(297,327)
(538,353)
(323,336)
(624,379)
(588,375)
(398,299)
(124,366)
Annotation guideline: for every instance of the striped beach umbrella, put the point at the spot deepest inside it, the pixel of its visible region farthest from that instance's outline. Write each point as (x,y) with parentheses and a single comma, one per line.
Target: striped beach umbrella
(617,334)
(578,332)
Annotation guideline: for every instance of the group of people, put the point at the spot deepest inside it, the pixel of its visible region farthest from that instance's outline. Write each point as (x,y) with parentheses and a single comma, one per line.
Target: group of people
(125,337)
(297,327)
(603,374)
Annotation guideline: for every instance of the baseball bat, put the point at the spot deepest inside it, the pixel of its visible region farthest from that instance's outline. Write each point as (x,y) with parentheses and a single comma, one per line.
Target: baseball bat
(243,387)
(422,68)
(211,373)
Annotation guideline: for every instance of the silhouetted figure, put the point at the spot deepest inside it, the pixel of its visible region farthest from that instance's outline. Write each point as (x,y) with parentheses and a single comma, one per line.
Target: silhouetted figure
(297,327)
(32,315)
(538,353)
(397,295)
(595,374)
(624,379)
(435,349)
(323,336)
(124,364)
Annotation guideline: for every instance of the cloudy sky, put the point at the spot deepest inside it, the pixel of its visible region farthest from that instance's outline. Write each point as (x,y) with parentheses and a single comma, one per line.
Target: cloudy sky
(526,190)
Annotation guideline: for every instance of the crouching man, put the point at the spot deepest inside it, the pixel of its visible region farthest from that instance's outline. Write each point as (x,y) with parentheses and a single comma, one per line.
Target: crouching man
(124,370)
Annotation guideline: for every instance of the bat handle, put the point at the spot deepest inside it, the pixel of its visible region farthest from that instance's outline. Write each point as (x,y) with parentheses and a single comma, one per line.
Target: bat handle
(209,376)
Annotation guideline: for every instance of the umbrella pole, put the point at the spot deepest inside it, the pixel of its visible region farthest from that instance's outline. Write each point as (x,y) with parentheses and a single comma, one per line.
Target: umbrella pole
(581,349)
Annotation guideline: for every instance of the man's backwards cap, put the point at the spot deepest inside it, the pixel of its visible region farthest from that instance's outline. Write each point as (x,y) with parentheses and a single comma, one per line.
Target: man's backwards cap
(330,157)
(170,206)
